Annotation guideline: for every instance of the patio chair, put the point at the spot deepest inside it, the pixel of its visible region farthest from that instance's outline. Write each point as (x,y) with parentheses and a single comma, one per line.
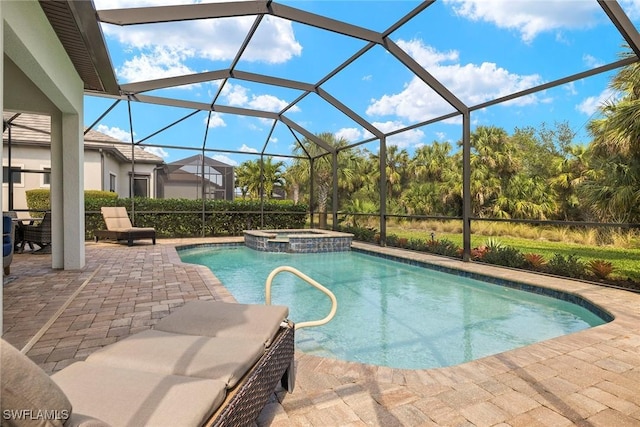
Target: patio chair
(40,233)
(218,367)
(8,239)
(119,227)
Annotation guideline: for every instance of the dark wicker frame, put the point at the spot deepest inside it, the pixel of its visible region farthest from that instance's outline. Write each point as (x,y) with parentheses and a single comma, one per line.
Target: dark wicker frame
(245,401)
(40,234)
(128,235)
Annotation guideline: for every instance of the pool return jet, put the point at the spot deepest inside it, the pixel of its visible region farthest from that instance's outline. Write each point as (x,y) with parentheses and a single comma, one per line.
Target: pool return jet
(309,280)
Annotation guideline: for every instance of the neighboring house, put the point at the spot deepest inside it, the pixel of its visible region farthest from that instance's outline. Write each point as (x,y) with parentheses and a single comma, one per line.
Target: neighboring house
(184,178)
(107,161)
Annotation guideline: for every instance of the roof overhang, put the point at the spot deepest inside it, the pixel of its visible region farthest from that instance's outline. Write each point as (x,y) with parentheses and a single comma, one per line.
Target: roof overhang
(77,27)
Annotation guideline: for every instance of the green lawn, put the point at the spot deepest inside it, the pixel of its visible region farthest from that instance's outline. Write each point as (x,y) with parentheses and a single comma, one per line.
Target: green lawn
(626,261)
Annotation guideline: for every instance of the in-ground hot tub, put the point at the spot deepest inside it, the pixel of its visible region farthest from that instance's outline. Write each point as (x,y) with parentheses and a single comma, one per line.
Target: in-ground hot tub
(298,240)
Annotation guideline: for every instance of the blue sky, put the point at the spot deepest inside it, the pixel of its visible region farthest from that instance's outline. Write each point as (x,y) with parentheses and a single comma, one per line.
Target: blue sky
(479,49)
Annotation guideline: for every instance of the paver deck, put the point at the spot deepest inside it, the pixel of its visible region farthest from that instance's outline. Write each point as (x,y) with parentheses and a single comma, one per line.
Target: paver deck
(589,378)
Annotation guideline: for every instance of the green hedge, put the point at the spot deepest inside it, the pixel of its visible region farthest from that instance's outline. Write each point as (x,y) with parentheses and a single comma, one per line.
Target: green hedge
(183,217)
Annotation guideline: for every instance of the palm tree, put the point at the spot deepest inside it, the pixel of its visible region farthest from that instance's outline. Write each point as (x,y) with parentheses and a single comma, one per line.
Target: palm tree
(618,132)
(323,168)
(273,175)
(570,173)
(493,163)
(613,187)
(252,178)
(431,161)
(248,178)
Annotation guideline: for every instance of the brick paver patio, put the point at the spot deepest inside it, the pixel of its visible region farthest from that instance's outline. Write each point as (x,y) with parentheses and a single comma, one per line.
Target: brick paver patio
(589,378)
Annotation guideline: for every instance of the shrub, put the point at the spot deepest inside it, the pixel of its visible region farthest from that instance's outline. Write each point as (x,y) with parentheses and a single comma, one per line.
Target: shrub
(417,244)
(570,266)
(443,247)
(535,261)
(364,234)
(493,244)
(479,253)
(600,268)
(506,256)
(392,240)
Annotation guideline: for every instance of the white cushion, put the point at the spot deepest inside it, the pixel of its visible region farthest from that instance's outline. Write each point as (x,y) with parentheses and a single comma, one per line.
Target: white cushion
(222,319)
(224,359)
(124,397)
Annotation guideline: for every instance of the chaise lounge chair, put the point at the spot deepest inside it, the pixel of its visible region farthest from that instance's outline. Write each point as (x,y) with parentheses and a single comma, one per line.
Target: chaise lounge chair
(119,227)
(209,363)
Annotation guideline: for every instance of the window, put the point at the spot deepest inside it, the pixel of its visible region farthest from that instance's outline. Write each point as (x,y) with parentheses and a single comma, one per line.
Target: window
(141,186)
(17,174)
(46,177)
(112,182)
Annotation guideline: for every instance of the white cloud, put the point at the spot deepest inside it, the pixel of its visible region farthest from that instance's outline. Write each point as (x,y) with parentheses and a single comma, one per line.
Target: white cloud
(246,149)
(158,151)
(471,83)
(350,134)
(115,132)
(591,61)
(410,138)
(632,8)
(236,95)
(591,104)
(225,159)
(530,17)
(212,39)
(239,96)
(268,103)
(215,121)
(156,64)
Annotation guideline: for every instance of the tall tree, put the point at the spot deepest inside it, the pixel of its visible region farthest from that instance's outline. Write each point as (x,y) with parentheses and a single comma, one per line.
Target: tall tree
(252,177)
(323,168)
(613,188)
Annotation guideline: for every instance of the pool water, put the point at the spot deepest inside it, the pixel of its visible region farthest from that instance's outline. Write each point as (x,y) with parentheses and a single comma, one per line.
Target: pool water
(390,313)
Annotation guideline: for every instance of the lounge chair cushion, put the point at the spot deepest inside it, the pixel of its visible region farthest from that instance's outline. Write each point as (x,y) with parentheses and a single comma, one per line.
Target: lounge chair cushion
(222,319)
(26,387)
(224,359)
(79,420)
(124,397)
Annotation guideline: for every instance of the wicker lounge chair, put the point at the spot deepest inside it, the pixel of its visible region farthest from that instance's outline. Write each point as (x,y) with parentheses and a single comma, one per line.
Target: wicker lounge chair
(8,243)
(39,233)
(119,227)
(219,372)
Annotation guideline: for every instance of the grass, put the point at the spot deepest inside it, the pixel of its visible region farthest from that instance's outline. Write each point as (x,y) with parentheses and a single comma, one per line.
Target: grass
(624,254)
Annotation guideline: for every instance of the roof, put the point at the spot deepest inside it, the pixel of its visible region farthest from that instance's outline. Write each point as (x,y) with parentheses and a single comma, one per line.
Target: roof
(35,129)
(75,24)
(197,159)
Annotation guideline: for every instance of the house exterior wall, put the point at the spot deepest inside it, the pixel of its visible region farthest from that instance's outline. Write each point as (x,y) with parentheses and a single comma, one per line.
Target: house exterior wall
(177,190)
(98,167)
(32,158)
(43,80)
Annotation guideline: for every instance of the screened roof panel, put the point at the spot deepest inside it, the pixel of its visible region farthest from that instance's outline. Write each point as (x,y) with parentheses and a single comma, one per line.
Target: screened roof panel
(439,58)
(320,52)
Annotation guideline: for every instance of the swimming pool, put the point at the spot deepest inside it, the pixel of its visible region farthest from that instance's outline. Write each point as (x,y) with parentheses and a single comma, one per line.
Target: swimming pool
(394,314)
